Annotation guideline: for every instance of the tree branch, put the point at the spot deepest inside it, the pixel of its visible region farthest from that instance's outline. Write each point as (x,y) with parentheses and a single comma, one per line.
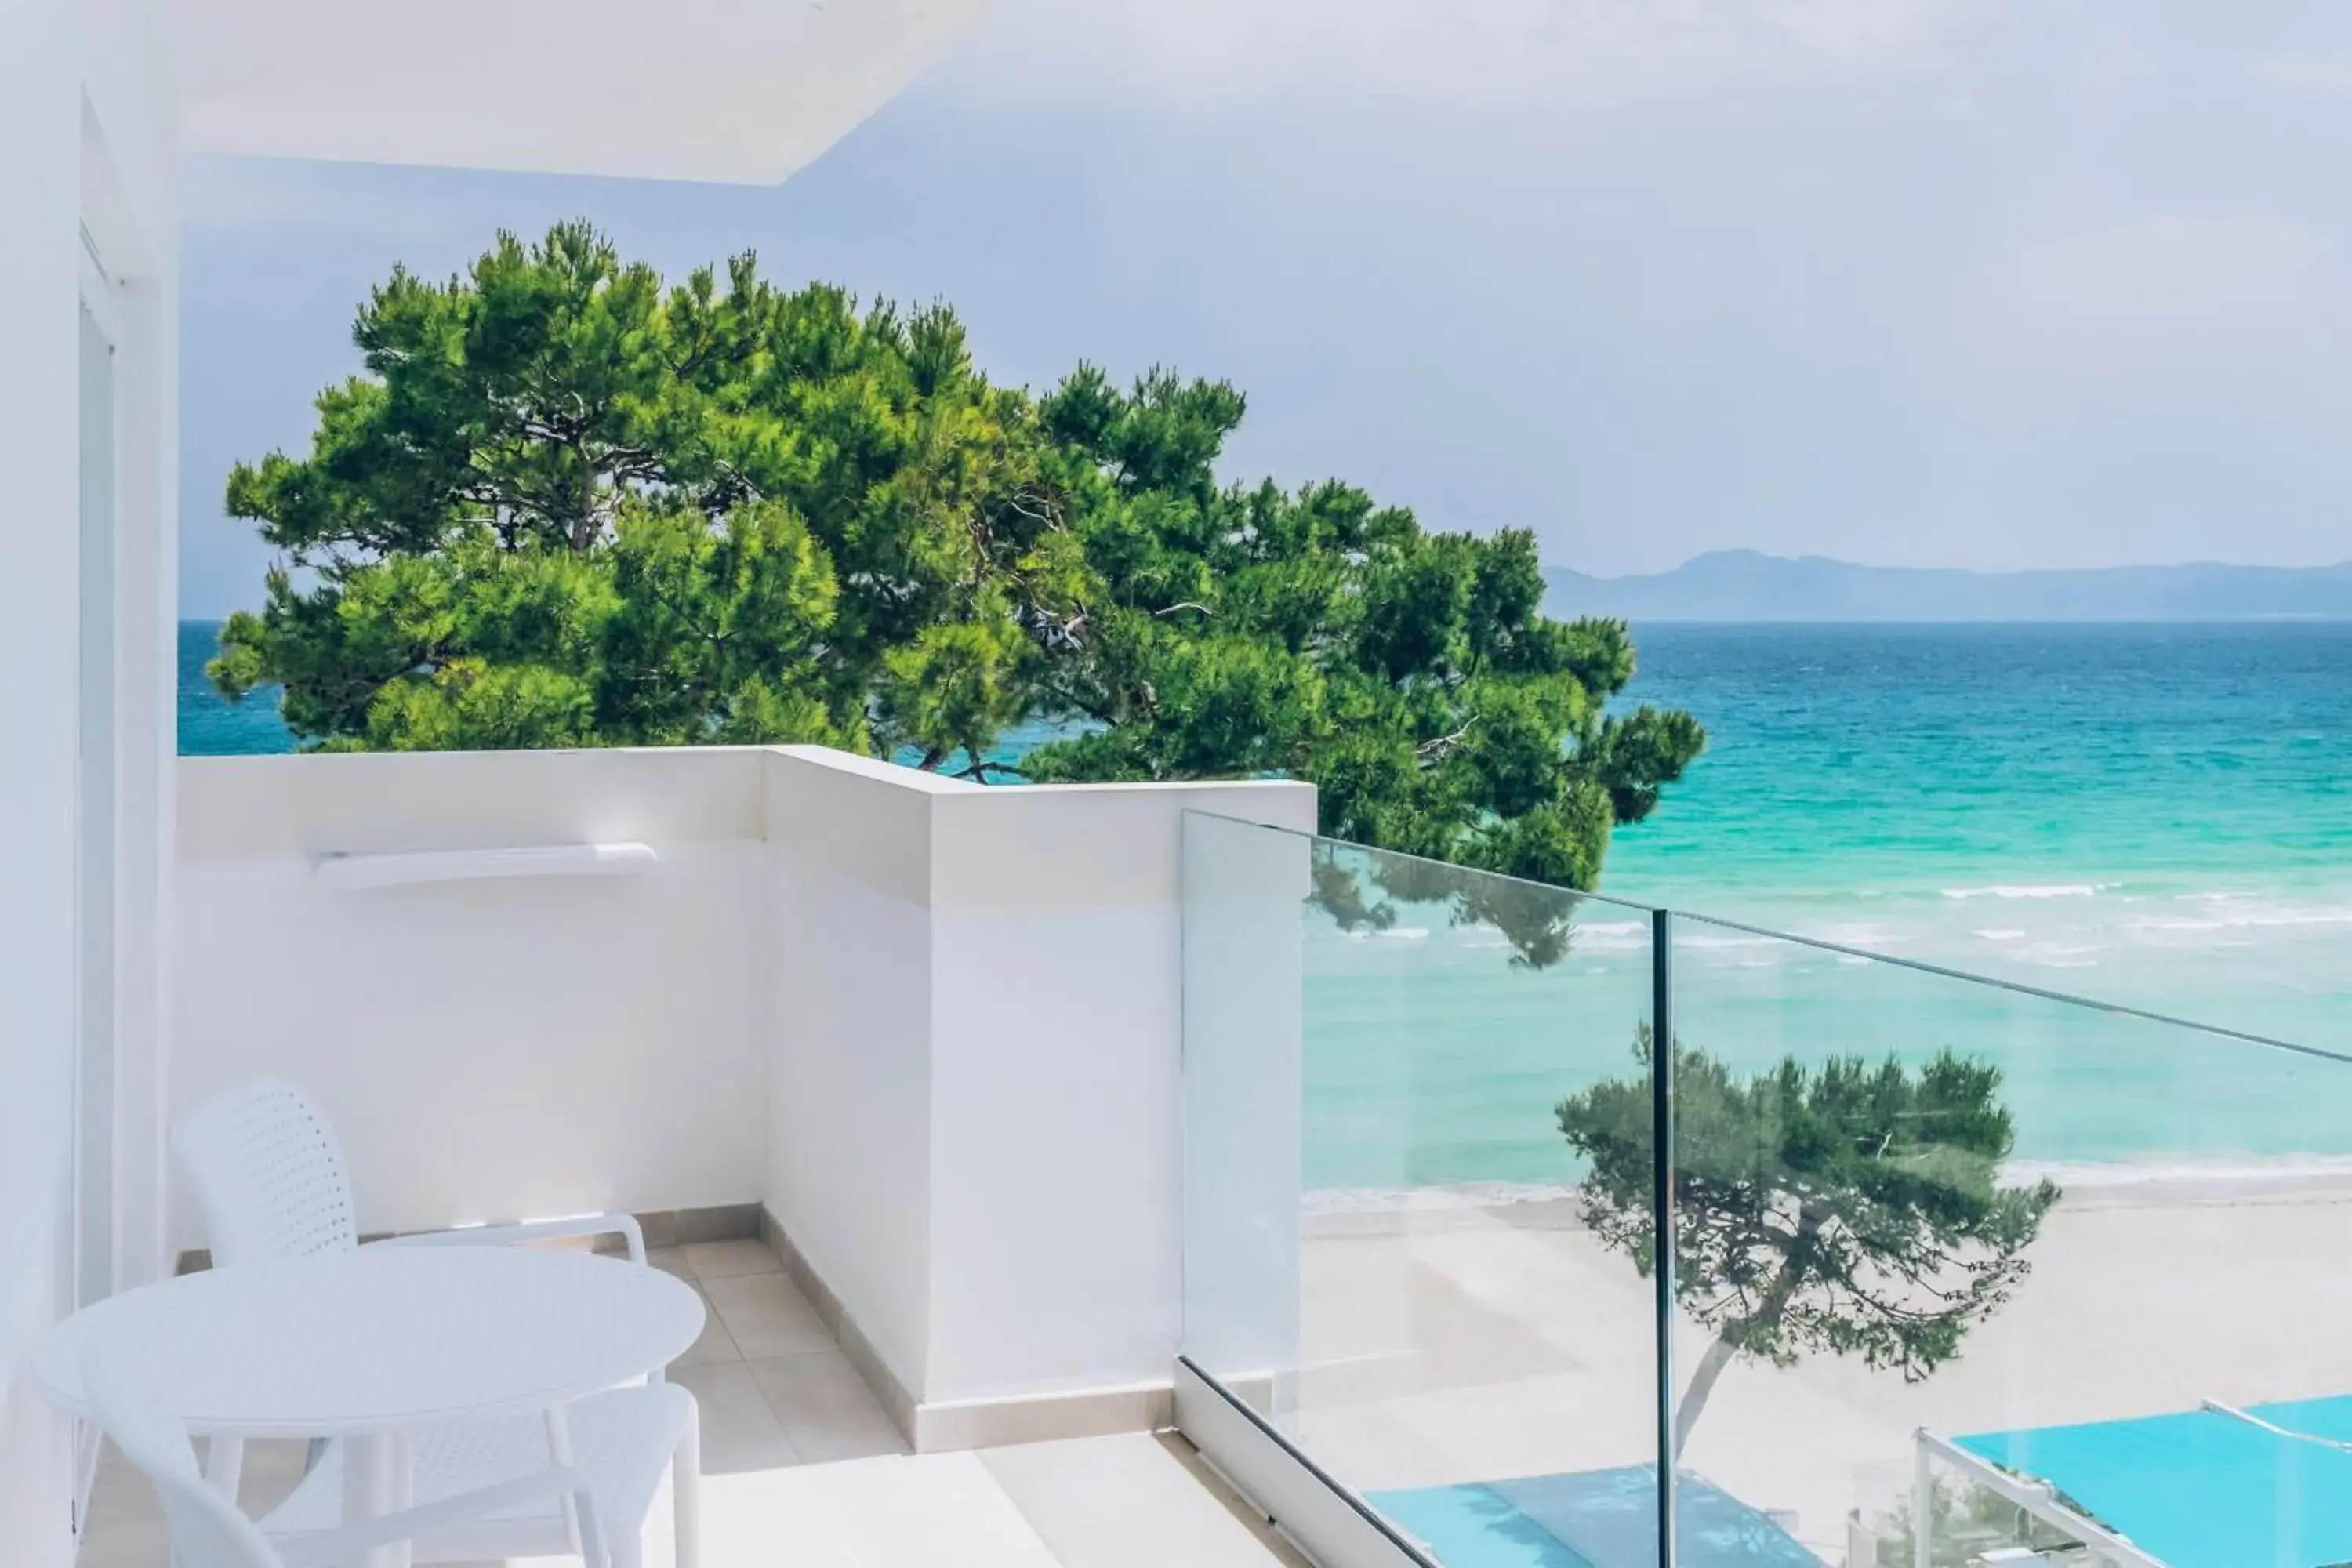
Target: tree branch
(1443,743)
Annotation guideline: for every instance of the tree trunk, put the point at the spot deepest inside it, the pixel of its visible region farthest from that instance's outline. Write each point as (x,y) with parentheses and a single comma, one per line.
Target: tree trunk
(1702,1383)
(1720,1353)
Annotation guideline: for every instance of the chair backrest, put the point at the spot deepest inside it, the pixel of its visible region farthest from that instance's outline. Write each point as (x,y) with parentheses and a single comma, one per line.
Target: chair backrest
(206,1528)
(266,1173)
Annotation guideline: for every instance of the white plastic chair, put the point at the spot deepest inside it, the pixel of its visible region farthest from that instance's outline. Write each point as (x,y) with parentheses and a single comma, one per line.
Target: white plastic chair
(267,1174)
(207,1531)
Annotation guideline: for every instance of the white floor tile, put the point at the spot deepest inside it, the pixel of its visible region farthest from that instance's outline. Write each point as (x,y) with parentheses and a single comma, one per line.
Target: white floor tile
(767,1316)
(926,1510)
(126,1521)
(720,1260)
(1135,1501)
(771,1519)
(713,1344)
(740,1431)
(826,1408)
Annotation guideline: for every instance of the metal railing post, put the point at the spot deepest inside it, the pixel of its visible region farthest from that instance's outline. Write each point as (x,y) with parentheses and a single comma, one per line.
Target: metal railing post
(1662,1212)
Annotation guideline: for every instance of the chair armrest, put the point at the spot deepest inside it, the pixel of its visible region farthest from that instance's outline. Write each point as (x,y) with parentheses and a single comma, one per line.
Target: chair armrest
(624,1226)
(325,1548)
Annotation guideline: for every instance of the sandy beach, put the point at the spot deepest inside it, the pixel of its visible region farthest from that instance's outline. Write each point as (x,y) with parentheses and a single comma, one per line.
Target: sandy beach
(1442,1346)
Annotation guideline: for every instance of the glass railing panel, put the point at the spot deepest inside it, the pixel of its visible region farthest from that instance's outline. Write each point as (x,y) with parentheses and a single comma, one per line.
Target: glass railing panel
(1967,1271)
(1384,1256)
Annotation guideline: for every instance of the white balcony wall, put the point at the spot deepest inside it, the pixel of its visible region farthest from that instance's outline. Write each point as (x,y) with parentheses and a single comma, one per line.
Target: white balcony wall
(849,1175)
(978,1071)
(1057,1087)
(934,1028)
(486,1048)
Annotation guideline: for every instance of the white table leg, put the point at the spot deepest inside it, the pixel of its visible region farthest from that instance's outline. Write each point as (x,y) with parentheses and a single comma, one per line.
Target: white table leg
(375,1485)
(224,1464)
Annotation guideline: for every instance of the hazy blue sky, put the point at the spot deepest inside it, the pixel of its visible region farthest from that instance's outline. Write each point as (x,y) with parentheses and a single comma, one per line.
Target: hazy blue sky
(2047,283)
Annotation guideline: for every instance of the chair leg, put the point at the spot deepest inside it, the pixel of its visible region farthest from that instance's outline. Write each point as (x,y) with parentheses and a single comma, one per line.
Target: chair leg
(685,1492)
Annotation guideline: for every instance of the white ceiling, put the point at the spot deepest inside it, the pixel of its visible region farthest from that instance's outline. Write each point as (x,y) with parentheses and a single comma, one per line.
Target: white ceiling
(735,90)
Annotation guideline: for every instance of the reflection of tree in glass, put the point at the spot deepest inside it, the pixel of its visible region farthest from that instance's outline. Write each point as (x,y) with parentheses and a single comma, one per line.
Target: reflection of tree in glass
(1362,891)
(1850,1207)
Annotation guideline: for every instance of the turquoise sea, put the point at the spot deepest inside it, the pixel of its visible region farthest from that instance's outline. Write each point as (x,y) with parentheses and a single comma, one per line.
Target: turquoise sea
(210,727)
(2159,816)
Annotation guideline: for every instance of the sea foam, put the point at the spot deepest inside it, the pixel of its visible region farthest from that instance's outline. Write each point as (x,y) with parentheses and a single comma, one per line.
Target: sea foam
(2032,890)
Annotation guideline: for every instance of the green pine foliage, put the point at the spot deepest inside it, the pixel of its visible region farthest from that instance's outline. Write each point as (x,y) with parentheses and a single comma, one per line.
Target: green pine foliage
(1255,632)
(566,504)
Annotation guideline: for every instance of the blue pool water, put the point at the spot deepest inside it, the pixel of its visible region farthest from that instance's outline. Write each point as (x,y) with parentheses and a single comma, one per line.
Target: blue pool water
(1594,1518)
(2201,1488)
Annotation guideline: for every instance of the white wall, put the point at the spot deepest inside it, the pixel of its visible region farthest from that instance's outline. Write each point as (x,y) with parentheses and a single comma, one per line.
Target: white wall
(487,1049)
(975,1136)
(39,197)
(1057,1094)
(86,146)
(849,1141)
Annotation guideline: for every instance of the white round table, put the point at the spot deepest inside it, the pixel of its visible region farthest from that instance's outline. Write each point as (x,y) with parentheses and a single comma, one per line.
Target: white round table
(374,1344)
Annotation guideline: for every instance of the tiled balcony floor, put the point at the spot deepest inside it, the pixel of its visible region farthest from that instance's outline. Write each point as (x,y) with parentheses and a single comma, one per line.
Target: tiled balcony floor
(803,1467)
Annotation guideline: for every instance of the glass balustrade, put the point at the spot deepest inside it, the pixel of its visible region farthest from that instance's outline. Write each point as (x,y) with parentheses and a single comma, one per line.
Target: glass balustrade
(1963,1273)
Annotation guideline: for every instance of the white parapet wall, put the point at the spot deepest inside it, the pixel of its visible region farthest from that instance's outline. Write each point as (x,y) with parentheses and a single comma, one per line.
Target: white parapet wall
(495,1047)
(934,1030)
(977,1128)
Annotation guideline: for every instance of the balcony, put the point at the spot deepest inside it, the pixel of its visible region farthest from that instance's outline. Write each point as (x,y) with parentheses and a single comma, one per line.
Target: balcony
(845,1034)
(1030,1144)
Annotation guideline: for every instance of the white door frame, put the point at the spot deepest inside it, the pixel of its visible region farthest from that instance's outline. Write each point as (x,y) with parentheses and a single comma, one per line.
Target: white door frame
(94,1227)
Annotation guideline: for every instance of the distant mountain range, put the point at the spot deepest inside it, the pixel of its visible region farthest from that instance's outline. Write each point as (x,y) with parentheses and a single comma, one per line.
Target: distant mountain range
(1747,586)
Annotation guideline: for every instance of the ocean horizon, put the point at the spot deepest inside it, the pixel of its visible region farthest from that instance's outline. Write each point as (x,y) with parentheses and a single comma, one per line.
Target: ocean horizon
(2153,815)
